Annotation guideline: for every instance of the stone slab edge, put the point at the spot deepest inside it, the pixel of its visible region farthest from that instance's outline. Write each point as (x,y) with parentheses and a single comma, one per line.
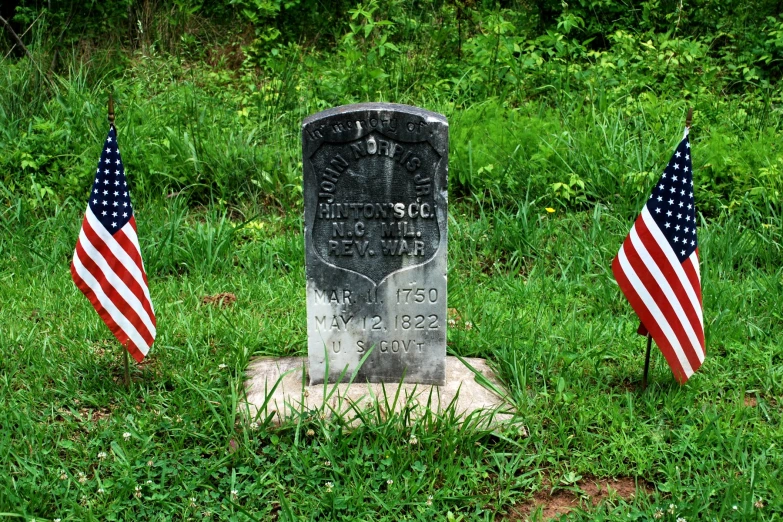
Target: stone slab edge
(292,394)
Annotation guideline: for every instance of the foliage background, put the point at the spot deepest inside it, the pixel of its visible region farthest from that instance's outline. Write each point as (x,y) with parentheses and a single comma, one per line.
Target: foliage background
(579,101)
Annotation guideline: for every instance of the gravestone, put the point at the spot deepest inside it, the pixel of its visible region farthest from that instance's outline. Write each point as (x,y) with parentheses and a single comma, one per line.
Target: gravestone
(375,243)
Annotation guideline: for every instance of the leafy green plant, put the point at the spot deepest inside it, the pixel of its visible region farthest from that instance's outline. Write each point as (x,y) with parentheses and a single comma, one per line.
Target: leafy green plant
(572,189)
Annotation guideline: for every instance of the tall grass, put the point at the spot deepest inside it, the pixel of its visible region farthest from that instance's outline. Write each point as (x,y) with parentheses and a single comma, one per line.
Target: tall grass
(214,134)
(175,136)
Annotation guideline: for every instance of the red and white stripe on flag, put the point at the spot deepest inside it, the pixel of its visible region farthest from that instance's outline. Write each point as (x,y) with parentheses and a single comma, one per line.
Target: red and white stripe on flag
(657,268)
(107,265)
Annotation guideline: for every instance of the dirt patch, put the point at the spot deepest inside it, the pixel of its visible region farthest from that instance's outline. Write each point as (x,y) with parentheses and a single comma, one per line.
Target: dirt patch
(94,414)
(455,320)
(224,299)
(751,402)
(588,492)
(629,386)
(106,348)
(148,368)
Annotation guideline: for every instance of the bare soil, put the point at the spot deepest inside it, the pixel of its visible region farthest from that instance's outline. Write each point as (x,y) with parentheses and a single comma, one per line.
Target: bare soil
(223,299)
(588,492)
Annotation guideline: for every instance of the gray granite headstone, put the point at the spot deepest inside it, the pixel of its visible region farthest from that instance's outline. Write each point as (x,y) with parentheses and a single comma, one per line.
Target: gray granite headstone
(375,243)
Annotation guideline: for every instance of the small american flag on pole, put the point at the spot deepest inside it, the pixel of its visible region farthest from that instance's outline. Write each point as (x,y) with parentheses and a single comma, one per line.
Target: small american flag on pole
(657,267)
(107,264)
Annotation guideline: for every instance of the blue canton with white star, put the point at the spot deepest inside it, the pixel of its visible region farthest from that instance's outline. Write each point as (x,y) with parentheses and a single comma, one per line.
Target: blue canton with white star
(671,203)
(110,198)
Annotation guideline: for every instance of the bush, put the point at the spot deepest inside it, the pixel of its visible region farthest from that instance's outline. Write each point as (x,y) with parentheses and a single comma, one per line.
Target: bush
(572,104)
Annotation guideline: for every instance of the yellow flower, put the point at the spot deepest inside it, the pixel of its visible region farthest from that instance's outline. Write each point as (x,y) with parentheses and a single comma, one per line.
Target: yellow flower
(550,210)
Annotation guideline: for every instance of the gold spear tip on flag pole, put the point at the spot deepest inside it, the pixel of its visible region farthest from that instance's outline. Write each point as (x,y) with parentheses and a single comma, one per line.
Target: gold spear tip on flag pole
(111,109)
(689,117)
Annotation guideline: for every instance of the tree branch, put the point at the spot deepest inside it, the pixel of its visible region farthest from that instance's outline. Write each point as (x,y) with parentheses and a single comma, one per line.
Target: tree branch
(16,37)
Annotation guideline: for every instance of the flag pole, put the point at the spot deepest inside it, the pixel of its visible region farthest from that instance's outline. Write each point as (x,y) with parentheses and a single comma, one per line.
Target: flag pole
(111,109)
(647,362)
(125,349)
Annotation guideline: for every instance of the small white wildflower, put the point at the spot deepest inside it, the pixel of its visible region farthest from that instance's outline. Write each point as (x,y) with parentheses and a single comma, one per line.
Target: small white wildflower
(253,426)
(179,418)
(734,507)
(329,487)
(327,463)
(310,433)
(389,482)
(101,455)
(137,492)
(56,520)
(429,500)
(658,514)
(150,463)
(468,325)
(101,491)
(672,508)
(63,476)
(452,323)
(222,366)
(149,482)
(82,477)
(681,519)
(234,493)
(126,435)
(759,504)
(413,440)
(192,501)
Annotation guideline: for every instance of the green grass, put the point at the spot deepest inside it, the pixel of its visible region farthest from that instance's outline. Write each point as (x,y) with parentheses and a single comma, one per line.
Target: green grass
(213,156)
(543,307)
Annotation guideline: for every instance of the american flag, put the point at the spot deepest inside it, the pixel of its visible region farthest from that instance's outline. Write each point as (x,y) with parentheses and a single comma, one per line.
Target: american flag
(657,267)
(107,264)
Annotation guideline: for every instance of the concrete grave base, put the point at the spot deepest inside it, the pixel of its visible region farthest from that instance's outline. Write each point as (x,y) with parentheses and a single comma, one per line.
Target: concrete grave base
(292,393)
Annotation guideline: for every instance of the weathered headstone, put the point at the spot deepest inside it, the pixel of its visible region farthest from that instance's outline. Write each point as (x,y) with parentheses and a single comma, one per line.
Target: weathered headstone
(375,243)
